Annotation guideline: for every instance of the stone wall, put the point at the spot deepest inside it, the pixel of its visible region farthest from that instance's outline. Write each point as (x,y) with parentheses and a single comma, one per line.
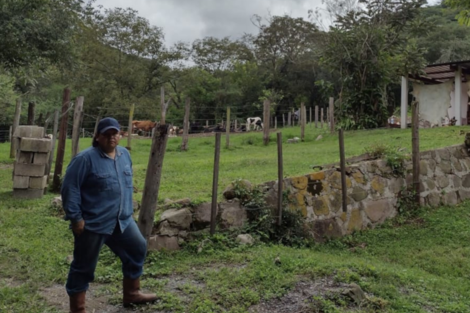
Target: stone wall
(372,193)
(29,172)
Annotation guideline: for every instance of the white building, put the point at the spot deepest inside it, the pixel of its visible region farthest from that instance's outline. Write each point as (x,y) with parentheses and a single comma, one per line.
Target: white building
(442,94)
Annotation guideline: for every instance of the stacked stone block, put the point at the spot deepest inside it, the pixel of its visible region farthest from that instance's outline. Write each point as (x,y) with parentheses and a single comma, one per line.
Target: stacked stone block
(29,173)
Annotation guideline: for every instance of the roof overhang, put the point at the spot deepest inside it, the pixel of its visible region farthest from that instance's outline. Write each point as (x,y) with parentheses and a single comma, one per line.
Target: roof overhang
(442,72)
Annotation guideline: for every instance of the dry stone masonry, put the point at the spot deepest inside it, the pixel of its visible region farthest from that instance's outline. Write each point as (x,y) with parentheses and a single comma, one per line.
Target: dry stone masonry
(29,173)
(372,193)
(373,190)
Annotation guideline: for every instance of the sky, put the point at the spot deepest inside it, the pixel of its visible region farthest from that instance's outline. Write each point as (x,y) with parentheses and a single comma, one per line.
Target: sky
(188,20)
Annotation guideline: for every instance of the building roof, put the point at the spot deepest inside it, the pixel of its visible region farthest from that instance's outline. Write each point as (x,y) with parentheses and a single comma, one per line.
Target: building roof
(442,72)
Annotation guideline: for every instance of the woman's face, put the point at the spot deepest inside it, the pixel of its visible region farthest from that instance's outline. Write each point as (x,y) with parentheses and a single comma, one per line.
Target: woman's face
(108,140)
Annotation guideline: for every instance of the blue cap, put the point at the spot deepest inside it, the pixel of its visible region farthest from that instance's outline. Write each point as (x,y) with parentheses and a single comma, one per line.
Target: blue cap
(106,124)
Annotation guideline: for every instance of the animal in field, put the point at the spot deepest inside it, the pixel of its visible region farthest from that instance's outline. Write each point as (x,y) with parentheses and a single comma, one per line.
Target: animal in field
(255,121)
(123,134)
(139,127)
(173,131)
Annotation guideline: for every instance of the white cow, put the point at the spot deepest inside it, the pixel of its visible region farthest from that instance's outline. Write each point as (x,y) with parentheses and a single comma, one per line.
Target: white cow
(255,121)
(173,131)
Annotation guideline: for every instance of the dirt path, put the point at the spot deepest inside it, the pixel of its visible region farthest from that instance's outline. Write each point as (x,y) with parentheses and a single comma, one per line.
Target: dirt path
(300,299)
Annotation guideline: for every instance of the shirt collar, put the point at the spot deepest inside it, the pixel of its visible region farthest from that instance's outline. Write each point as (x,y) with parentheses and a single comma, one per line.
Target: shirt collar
(104,155)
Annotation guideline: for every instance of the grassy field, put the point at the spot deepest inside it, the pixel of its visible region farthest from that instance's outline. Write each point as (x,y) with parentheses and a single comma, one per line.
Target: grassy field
(418,265)
(189,174)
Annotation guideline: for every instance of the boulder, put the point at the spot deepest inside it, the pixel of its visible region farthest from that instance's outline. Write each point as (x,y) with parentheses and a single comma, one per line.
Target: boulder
(326,229)
(202,215)
(164,228)
(163,243)
(178,218)
(245,239)
(232,214)
(57,202)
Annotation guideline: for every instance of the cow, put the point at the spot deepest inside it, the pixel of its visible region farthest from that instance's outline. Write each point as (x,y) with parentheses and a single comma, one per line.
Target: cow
(143,127)
(173,131)
(123,134)
(255,121)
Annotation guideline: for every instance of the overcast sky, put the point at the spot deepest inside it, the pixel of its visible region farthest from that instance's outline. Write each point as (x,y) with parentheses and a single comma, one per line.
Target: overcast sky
(188,20)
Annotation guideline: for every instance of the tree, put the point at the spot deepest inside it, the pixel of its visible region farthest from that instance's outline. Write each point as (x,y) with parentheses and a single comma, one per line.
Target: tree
(464,6)
(37,30)
(214,54)
(286,49)
(123,58)
(368,50)
(446,40)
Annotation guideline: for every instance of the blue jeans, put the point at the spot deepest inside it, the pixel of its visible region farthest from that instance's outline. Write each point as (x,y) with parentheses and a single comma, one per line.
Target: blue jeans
(129,246)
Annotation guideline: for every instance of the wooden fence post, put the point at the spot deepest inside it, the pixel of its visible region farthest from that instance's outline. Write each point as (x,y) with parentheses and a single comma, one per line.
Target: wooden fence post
(59,161)
(152,181)
(267,110)
(344,189)
(289,119)
(227,129)
(321,118)
(316,116)
(184,142)
(131,117)
(55,128)
(303,118)
(275,122)
(415,150)
(47,122)
(215,182)
(332,115)
(283,120)
(77,114)
(98,118)
(310,116)
(280,178)
(31,112)
(16,123)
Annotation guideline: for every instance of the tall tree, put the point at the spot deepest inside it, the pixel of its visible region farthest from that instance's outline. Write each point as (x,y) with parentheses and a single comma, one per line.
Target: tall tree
(368,49)
(37,30)
(446,40)
(123,57)
(286,48)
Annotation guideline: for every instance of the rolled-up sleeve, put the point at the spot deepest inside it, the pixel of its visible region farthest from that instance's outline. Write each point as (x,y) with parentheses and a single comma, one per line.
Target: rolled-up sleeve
(75,175)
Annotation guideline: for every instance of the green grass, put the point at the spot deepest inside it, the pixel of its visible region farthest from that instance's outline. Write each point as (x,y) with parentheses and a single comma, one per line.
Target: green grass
(189,174)
(421,266)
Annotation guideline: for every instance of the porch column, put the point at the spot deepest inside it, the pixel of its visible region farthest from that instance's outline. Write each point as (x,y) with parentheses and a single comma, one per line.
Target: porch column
(404,101)
(458,96)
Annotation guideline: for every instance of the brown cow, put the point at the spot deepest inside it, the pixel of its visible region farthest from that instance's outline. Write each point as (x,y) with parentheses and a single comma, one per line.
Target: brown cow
(143,126)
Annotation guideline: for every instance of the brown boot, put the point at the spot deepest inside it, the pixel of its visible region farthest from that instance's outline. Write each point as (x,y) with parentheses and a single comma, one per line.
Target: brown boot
(132,294)
(77,302)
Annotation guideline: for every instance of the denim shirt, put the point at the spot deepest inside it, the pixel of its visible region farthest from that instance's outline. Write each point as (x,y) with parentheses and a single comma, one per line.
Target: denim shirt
(98,189)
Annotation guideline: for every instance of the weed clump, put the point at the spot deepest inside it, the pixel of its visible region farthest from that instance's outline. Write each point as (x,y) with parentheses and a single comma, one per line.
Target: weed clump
(394,156)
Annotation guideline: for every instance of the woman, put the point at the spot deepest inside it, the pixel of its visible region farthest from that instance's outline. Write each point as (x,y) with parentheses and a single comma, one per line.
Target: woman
(97,199)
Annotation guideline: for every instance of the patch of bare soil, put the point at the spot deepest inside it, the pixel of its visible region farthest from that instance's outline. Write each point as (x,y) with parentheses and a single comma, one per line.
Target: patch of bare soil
(300,298)
(98,300)
(6,166)
(57,297)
